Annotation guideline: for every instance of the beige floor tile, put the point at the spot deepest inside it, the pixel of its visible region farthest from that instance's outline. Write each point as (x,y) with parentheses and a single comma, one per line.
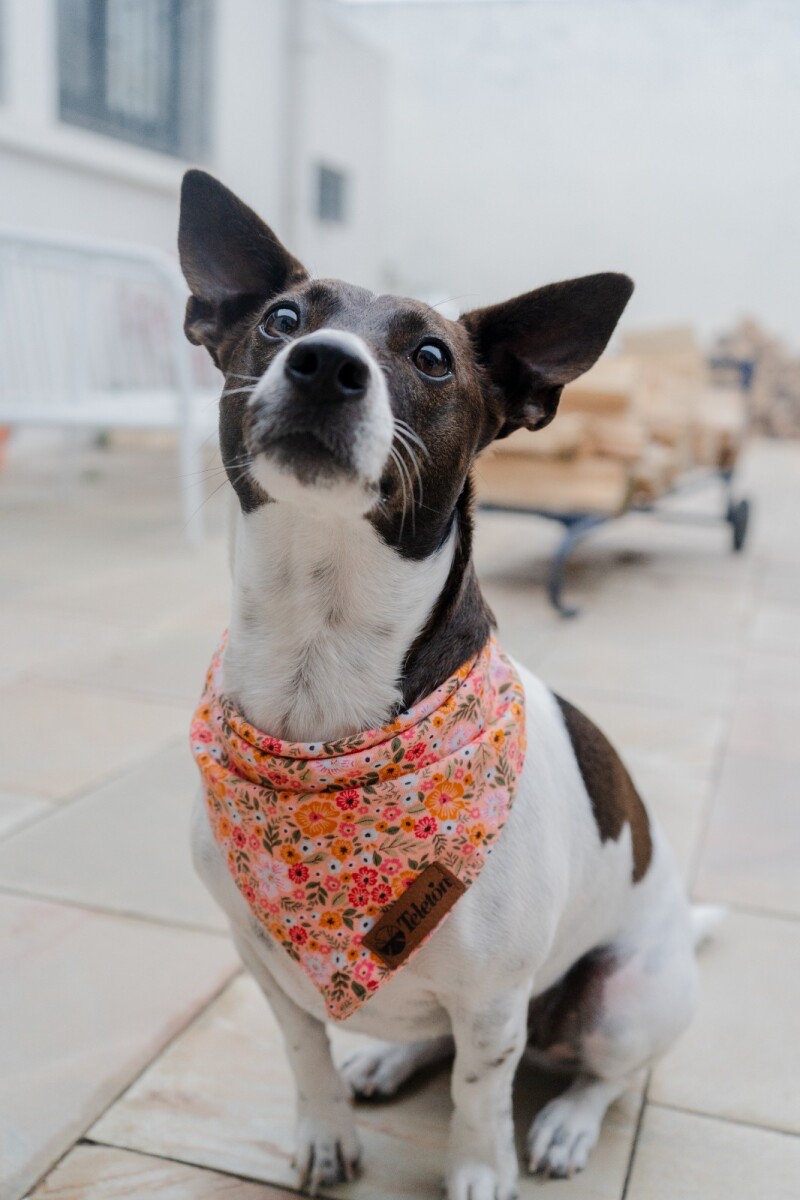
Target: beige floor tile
(167,664)
(669,609)
(124,847)
(521,625)
(644,668)
(38,641)
(510,544)
(102,1173)
(86,1000)
(57,549)
(667,552)
(17,811)
(751,849)
(766,726)
(222,1097)
(780,583)
(139,593)
(770,675)
(678,800)
(685,738)
(133,493)
(777,627)
(56,740)
(680,1156)
(740,1057)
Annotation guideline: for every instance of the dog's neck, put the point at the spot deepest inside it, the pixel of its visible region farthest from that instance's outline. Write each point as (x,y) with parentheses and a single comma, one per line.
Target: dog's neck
(332,631)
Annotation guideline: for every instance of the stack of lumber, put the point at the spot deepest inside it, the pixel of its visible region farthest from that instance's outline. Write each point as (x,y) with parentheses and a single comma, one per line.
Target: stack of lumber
(706,425)
(624,433)
(585,460)
(774,397)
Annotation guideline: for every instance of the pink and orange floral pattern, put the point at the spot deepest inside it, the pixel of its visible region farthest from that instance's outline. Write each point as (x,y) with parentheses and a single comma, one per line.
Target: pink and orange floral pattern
(322,838)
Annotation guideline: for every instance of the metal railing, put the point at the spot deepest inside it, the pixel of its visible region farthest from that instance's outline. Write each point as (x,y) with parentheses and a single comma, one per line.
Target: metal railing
(93,338)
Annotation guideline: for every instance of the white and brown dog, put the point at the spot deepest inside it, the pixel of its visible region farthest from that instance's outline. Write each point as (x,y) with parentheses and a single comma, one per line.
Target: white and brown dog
(349,426)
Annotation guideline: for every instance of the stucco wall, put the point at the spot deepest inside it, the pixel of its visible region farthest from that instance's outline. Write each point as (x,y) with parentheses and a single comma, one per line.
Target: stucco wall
(288,89)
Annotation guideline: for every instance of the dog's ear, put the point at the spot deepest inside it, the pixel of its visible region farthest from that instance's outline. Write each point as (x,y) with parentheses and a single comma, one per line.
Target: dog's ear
(535,344)
(232,261)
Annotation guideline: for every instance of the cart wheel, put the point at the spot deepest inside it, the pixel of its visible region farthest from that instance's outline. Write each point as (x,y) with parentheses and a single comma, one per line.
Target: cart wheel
(739,517)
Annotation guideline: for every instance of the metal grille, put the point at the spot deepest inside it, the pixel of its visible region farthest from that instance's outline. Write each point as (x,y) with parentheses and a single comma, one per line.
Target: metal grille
(137,70)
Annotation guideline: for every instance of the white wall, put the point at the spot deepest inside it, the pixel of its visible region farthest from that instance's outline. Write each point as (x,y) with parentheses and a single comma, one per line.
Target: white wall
(345,113)
(279,115)
(533,141)
(250,88)
(274,114)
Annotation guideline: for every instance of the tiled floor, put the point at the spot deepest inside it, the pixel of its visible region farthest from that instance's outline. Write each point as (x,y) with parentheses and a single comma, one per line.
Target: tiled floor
(135,1061)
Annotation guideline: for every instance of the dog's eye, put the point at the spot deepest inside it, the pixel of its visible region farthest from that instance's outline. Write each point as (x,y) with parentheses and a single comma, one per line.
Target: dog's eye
(432,359)
(279,323)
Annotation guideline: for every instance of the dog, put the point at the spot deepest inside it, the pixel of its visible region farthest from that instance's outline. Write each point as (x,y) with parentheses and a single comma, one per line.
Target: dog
(349,425)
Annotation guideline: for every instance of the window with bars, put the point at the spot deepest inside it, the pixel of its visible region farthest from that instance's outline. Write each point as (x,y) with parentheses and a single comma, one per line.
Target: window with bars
(331,194)
(137,70)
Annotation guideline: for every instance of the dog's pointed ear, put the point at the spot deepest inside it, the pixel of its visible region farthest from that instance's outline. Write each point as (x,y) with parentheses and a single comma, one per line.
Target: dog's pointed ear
(535,344)
(231,260)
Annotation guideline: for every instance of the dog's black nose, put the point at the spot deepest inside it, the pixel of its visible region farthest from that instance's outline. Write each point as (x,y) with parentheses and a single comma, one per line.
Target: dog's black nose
(325,369)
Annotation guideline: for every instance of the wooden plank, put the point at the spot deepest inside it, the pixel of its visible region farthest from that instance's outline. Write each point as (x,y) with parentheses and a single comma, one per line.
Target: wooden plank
(609,388)
(564,437)
(585,484)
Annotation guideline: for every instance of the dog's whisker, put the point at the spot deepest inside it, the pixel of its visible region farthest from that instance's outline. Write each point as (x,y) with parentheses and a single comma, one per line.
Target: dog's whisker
(394,457)
(202,506)
(401,472)
(412,434)
(408,447)
(449,300)
(416,479)
(402,433)
(206,472)
(217,468)
(238,391)
(413,461)
(242,474)
(411,507)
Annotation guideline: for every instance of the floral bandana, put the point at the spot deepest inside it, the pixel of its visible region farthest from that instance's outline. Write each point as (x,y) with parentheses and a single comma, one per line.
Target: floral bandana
(349,853)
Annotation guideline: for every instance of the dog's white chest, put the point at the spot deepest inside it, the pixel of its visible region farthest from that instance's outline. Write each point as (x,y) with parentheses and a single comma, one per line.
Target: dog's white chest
(321,625)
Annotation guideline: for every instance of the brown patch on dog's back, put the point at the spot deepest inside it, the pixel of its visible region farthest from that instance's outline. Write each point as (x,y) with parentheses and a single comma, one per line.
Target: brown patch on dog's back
(615,800)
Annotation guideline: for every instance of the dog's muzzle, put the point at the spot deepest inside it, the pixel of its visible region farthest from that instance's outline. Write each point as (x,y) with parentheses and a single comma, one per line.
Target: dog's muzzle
(321,412)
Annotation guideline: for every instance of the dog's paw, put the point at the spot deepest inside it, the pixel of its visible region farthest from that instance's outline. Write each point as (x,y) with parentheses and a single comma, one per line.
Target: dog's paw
(377,1072)
(327,1151)
(562,1137)
(478,1181)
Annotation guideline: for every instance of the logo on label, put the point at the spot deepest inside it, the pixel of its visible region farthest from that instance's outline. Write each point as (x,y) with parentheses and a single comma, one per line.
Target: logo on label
(406,923)
(390,940)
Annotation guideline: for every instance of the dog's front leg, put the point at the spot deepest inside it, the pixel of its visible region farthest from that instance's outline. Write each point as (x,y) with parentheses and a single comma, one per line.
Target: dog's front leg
(490,1035)
(327,1150)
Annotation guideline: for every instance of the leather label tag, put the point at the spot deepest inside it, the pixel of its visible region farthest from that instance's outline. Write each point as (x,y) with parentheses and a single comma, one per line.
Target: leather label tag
(407,922)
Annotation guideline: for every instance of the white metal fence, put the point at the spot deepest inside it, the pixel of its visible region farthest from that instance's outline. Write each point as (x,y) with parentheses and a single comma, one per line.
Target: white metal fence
(92,337)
